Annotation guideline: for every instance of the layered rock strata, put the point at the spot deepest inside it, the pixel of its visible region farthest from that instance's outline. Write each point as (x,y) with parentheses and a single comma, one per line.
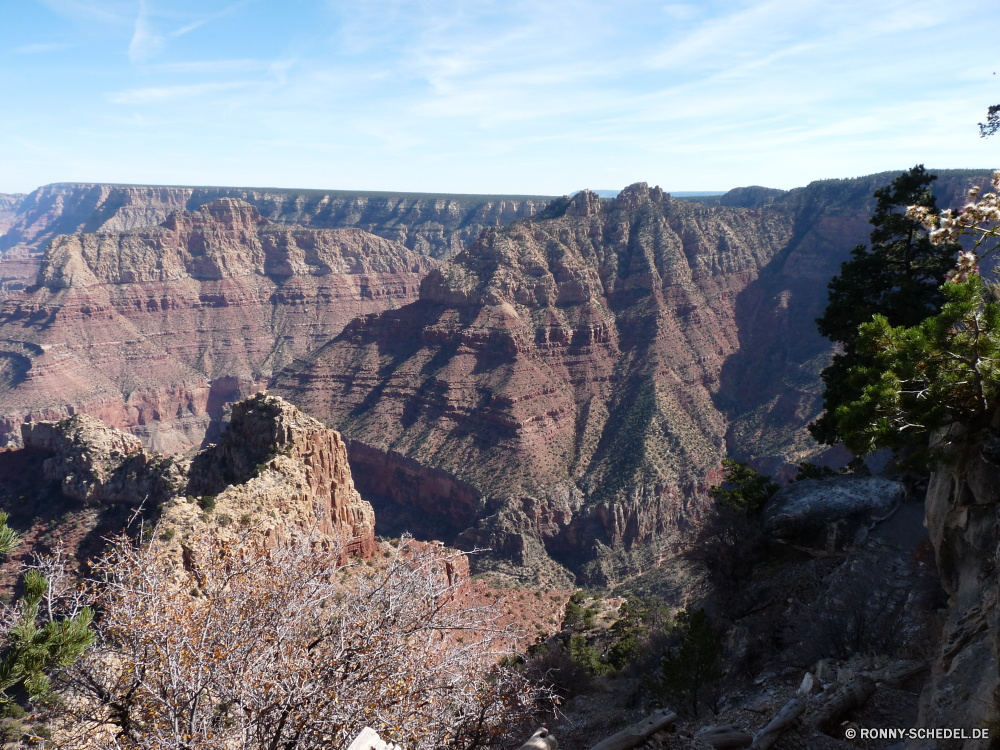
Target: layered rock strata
(154,330)
(437,225)
(9,205)
(565,366)
(16,271)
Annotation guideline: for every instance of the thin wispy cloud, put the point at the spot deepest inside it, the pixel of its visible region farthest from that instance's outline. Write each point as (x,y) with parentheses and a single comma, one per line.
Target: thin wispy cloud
(145,44)
(114,12)
(39,49)
(158,94)
(517,96)
(207,19)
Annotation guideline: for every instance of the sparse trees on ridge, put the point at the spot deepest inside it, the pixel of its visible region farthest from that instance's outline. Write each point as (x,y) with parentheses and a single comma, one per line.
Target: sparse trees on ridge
(250,647)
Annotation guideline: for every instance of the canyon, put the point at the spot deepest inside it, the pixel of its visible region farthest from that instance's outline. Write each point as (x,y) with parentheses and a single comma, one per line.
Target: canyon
(154,330)
(437,225)
(552,378)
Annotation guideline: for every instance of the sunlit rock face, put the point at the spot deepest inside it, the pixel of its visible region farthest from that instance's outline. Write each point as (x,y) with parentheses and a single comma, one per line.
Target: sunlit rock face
(154,330)
(567,367)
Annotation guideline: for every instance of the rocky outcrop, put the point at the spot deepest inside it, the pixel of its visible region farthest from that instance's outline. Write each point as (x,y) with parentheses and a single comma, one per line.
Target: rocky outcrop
(97,464)
(285,473)
(154,330)
(274,470)
(831,514)
(964,524)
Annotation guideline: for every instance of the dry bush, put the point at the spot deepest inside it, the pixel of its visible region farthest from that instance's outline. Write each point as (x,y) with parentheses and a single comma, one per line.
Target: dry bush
(860,613)
(553,664)
(729,545)
(249,647)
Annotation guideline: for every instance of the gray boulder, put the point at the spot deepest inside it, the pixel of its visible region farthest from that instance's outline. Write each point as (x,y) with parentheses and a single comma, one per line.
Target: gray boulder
(831,514)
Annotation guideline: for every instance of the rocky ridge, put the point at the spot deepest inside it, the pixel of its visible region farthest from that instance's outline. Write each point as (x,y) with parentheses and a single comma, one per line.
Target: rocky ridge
(735,367)
(602,356)
(154,330)
(285,473)
(275,470)
(95,464)
(565,366)
(436,225)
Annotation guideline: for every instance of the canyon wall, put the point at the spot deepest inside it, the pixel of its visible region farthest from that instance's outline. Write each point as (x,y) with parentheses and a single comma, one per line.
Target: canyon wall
(566,366)
(15,273)
(963,517)
(436,225)
(9,204)
(154,330)
(586,370)
(568,382)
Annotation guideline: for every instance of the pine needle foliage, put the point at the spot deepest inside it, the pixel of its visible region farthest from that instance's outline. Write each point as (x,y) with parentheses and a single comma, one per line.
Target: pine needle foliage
(899,278)
(35,644)
(744,490)
(921,379)
(685,671)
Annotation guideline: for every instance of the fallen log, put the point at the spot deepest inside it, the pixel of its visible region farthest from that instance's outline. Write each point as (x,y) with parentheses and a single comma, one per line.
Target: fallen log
(724,737)
(639,732)
(786,717)
(369,740)
(826,717)
(896,674)
(542,739)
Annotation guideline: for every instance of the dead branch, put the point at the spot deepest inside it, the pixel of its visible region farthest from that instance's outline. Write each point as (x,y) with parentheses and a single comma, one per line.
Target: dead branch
(639,732)
(786,717)
(724,737)
(826,717)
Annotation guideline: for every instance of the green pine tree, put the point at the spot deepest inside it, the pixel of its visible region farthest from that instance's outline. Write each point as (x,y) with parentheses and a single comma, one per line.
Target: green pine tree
(744,491)
(899,278)
(924,378)
(37,645)
(692,665)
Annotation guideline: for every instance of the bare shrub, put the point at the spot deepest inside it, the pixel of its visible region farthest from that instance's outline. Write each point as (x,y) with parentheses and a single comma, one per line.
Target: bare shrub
(859,614)
(287,648)
(552,663)
(729,545)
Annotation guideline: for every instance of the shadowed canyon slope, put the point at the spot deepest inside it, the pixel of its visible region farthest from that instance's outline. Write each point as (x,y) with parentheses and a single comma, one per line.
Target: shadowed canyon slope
(567,367)
(155,329)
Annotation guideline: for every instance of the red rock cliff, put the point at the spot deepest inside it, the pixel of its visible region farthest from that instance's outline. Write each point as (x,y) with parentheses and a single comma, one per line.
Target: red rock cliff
(154,330)
(565,367)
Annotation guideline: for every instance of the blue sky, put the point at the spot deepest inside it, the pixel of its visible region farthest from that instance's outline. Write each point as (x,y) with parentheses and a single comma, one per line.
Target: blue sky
(491,97)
